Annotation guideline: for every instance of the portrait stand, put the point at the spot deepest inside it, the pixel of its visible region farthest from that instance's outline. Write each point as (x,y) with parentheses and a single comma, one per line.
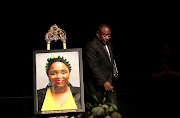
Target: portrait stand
(56,33)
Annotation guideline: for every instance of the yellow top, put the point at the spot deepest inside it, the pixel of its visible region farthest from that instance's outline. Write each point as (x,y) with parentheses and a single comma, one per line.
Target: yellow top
(49,103)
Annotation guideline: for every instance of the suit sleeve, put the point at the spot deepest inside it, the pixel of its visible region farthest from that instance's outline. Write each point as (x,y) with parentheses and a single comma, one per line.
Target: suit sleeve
(91,58)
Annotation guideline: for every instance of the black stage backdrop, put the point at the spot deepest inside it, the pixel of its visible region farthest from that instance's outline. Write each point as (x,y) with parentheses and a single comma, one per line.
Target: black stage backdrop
(138,35)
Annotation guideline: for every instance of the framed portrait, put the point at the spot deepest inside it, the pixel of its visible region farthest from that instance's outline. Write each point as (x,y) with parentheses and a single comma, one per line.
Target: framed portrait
(58,81)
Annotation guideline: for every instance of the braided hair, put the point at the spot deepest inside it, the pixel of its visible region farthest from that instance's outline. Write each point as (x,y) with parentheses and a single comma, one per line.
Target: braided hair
(57,58)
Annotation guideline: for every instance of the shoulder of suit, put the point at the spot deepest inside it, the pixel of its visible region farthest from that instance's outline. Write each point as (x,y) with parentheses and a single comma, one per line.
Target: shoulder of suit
(110,43)
(92,42)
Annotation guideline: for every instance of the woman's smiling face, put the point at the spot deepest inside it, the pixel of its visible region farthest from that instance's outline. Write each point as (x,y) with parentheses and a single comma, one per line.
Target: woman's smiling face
(58,75)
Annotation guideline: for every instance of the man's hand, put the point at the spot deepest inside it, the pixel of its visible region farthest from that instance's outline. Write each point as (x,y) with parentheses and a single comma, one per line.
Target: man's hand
(108,86)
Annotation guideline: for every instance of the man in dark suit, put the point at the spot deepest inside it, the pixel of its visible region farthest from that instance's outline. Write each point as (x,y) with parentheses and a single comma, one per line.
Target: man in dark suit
(100,66)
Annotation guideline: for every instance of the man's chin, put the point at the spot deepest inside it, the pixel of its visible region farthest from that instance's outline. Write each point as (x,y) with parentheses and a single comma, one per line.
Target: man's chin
(105,43)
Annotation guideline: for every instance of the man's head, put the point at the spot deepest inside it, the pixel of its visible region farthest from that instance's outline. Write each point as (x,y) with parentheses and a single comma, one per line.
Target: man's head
(104,33)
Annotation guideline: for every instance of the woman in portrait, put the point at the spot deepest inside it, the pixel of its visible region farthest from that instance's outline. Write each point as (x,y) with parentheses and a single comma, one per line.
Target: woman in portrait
(59,94)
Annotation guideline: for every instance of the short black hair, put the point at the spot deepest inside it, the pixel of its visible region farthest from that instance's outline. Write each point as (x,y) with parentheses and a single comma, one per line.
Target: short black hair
(56,58)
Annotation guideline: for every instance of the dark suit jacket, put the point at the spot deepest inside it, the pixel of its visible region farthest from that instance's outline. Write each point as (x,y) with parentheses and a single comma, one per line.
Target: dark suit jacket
(100,68)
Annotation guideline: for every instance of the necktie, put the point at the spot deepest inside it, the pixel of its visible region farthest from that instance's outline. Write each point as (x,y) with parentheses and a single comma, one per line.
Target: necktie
(107,52)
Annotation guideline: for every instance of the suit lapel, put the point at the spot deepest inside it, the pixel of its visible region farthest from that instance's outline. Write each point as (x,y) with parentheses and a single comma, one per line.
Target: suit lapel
(103,50)
(111,55)
(110,51)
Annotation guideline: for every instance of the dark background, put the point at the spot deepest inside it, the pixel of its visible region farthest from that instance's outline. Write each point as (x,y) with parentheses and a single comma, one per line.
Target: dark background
(138,35)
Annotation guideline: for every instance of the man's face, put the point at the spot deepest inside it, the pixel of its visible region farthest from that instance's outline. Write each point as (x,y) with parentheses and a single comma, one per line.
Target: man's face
(104,35)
